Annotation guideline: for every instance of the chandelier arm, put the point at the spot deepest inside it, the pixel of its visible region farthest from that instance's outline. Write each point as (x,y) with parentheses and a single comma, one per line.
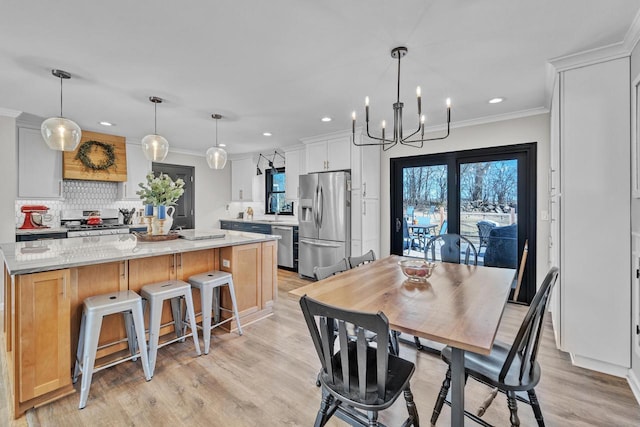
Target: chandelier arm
(407,142)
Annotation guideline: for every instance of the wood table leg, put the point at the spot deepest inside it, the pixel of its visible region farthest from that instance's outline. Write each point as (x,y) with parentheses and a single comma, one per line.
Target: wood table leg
(457,387)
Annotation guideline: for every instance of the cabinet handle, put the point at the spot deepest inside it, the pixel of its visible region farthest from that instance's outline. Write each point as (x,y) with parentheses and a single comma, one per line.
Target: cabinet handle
(364,189)
(60,188)
(124,189)
(172,269)
(64,287)
(240,194)
(124,270)
(179,260)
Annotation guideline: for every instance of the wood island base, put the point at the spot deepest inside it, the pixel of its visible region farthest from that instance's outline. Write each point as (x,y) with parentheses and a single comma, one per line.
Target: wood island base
(43,310)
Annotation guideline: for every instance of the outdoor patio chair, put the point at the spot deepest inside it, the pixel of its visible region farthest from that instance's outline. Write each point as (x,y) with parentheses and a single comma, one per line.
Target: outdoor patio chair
(484,228)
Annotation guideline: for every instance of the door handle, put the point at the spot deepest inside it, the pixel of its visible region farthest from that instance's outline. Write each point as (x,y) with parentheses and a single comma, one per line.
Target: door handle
(398,225)
(324,245)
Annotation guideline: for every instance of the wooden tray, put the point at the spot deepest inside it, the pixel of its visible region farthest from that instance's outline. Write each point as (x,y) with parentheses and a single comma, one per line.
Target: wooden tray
(156,238)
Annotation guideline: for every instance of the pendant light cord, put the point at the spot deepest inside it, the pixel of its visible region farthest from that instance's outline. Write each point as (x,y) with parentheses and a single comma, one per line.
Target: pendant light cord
(60,96)
(155,118)
(216,132)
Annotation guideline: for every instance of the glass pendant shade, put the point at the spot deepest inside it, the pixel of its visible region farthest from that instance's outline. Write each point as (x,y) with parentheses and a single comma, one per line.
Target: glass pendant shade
(155,147)
(216,157)
(61,134)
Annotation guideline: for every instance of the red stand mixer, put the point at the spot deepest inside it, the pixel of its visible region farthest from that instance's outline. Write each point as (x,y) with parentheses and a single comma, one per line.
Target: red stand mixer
(33,216)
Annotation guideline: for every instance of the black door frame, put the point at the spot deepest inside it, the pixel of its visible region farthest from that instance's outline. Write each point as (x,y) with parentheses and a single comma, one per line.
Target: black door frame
(187,202)
(527,197)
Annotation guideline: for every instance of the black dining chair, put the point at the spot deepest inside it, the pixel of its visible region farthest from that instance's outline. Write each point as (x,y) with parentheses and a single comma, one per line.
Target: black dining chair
(355,261)
(451,248)
(330,270)
(343,265)
(356,376)
(509,368)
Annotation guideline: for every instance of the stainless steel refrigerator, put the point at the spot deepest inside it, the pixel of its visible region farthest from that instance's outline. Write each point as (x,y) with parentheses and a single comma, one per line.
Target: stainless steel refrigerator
(324,216)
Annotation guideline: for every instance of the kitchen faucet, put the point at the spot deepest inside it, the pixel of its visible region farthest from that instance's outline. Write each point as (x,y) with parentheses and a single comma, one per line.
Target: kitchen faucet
(276,210)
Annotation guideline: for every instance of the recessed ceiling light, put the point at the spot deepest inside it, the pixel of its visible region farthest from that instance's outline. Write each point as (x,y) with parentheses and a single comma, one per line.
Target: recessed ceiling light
(326,119)
(496,100)
(267,134)
(107,124)
(222,145)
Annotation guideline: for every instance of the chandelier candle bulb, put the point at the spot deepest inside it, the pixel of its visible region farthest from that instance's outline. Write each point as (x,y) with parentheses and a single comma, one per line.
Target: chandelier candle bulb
(366,107)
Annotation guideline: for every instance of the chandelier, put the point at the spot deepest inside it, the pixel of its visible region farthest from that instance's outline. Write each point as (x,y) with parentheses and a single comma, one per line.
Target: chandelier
(411,140)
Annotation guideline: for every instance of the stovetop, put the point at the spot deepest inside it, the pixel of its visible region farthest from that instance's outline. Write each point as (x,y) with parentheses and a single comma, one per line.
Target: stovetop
(82,227)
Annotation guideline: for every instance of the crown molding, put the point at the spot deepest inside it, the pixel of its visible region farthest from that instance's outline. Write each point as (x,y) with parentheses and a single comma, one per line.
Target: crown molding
(491,119)
(633,34)
(590,57)
(6,112)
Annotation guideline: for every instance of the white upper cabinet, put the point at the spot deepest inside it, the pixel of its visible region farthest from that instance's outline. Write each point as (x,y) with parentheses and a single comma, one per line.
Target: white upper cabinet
(292,173)
(137,169)
(365,168)
(328,153)
(242,173)
(39,167)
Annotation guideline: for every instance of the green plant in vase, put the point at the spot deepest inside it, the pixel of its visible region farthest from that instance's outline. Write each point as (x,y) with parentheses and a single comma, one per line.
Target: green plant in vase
(159,192)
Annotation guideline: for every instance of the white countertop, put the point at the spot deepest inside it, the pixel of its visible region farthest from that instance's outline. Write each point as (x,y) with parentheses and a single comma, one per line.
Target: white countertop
(282,220)
(46,255)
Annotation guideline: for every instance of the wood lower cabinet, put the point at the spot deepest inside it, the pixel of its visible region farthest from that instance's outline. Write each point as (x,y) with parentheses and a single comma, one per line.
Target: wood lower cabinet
(42,347)
(254,281)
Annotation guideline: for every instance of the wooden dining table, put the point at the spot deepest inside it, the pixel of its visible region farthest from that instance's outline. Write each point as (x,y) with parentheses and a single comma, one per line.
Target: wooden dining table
(459,305)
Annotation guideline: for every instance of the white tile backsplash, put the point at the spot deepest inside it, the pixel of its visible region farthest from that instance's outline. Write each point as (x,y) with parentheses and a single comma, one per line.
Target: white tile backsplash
(82,195)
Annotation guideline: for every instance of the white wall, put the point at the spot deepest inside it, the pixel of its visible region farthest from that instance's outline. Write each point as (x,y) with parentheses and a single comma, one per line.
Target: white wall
(506,132)
(212,189)
(635,230)
(8,189)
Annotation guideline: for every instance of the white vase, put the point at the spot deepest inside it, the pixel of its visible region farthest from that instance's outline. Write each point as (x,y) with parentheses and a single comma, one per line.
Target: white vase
(162,227)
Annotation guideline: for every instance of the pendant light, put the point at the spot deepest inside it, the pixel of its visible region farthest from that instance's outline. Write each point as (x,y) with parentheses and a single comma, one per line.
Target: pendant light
(59,133)
(155,147)
(216,156)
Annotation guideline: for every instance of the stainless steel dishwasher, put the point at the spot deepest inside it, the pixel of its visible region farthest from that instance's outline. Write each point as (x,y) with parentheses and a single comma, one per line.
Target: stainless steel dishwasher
(285,245)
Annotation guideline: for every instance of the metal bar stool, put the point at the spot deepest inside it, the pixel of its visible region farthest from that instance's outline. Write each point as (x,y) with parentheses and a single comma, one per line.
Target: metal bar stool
(156,294)
(94,309)
(207,283)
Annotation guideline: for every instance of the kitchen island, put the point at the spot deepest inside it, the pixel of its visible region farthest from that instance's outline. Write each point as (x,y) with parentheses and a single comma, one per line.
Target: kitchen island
(46,282)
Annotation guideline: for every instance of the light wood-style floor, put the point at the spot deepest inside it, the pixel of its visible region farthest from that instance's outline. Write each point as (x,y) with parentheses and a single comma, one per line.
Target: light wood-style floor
(267,378)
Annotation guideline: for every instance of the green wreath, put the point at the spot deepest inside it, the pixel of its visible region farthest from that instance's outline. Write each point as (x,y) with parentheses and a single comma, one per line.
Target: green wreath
(85,149)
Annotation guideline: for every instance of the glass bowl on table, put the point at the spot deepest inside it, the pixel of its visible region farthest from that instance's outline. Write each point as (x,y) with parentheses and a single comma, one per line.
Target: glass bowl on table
(417,270)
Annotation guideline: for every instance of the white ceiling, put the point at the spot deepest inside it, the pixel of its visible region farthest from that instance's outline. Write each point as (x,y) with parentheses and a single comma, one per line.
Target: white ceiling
(281,65)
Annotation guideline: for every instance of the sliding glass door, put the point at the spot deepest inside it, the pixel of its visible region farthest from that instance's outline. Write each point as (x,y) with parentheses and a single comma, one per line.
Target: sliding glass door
(485,195)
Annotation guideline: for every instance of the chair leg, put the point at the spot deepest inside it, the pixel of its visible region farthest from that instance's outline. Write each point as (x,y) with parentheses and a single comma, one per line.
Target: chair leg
(192,321)
(90,347)
(441,397)
(80,352)
(512,403)
(535,405)
(137,317)
(373,418)
(155,318)
(411,408)
(235,306)
(206,298)
(418,343)
(321,418)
